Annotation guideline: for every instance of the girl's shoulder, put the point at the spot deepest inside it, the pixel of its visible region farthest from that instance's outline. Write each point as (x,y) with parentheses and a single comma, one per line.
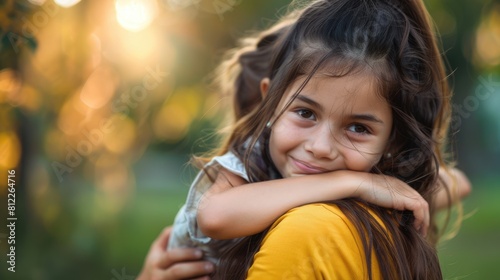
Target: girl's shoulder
(231,163)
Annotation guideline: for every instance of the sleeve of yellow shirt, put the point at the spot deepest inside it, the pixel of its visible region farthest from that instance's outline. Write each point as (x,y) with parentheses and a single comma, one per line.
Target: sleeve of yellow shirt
(314,241)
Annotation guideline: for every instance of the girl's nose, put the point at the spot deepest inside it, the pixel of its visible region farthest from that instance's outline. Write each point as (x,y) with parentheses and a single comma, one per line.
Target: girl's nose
(321,143)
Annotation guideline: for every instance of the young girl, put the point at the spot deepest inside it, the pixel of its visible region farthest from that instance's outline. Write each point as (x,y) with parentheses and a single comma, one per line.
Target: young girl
(197,226)
(345,97)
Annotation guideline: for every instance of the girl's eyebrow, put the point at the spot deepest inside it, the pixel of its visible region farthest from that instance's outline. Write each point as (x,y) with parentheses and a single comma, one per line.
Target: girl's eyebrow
(366,117)
(309,101)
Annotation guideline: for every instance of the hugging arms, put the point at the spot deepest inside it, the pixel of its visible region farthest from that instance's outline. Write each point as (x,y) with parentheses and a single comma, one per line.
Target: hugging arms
(188,263)
(348,105)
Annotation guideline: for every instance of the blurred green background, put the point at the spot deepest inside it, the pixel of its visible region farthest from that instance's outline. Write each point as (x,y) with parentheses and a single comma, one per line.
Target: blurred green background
(102,102)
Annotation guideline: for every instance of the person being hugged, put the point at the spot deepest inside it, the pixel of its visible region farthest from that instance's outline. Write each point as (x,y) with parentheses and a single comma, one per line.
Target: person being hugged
(355,86)
(353,113)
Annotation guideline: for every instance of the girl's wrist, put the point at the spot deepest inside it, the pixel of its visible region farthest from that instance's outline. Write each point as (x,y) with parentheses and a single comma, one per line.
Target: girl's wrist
(349,184)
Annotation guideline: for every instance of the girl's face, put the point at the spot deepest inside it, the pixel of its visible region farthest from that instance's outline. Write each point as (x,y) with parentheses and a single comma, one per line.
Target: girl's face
(335,123)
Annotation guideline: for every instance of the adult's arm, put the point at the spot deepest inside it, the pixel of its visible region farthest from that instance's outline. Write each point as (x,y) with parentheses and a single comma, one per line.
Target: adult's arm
(314,241)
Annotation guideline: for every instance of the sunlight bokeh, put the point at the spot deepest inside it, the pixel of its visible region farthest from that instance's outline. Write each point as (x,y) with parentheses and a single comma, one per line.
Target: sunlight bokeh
(10,151)
(66,3)
(135,15)
(487,43)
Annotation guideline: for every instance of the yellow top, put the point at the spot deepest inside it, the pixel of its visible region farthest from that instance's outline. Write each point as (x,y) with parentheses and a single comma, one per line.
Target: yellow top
(314,241)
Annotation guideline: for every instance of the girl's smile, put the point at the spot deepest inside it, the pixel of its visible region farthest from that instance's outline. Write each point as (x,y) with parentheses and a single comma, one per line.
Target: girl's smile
(306,168)
(334,123)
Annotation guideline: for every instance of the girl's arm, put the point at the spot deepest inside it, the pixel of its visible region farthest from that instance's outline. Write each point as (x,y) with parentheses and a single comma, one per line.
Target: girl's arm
(458,184)
(227,211)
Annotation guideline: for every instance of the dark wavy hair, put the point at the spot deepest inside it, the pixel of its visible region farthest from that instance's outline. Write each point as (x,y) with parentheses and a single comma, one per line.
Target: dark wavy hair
(393,40)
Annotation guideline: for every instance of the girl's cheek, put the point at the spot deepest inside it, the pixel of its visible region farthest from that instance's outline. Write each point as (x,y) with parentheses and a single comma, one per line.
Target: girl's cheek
(285,125)
(362,162)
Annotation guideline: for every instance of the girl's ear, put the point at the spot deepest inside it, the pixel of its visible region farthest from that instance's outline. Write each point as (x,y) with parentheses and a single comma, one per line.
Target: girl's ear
(391,149)
(264,86)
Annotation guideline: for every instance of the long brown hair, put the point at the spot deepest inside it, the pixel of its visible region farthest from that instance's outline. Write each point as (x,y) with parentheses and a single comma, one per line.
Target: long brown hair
(394,40)
(238,79)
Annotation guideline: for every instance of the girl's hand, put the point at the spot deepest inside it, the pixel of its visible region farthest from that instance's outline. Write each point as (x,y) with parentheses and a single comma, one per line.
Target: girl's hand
(392,193)
(182,263)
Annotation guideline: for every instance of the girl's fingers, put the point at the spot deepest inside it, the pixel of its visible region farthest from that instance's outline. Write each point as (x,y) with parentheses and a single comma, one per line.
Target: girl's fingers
(422,216)
(190,270)
(395,194)
(411,200)
(427,220)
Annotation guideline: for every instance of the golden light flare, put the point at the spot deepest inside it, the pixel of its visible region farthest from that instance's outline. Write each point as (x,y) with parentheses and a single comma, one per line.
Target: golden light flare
(17,94)
(9,86)
(59,62)
(189,98)
(487,45)
(99,87)
(66,3)
(72,115)
(96,50)
(135,15)
(121,135)
(174,118)
(30,98)
(172,122)
(10,150)
(130,49)
(135,51)
(180,4)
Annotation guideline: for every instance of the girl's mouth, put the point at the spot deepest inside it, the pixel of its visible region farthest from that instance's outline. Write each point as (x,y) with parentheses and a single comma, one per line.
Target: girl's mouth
(307,168)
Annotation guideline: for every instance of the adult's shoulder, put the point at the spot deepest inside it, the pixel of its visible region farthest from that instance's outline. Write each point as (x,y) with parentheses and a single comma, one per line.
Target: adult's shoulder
(318,223)
(314,241)
(321,216)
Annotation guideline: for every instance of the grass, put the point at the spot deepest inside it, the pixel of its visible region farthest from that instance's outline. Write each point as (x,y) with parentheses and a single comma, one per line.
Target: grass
(475,252)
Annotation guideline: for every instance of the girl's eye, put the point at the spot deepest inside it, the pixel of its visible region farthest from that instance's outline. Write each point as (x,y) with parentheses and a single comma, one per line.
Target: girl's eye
(306,114)
(358,128)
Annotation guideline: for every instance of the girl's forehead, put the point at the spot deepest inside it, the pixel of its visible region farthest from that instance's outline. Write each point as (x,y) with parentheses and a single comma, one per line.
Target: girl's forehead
(325,81)
(349,92)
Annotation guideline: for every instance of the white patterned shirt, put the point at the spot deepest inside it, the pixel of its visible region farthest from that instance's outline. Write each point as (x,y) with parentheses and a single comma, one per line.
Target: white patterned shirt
(186,232)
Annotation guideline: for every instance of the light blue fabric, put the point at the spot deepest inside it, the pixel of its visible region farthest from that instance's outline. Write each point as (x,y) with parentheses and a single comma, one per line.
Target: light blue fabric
(185,231)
